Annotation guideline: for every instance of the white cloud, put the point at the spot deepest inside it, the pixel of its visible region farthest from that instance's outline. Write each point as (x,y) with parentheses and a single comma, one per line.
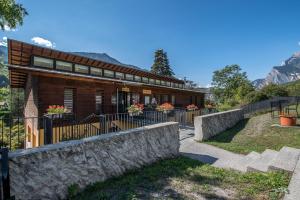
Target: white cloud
(3,42)
(7,28)
(43,42)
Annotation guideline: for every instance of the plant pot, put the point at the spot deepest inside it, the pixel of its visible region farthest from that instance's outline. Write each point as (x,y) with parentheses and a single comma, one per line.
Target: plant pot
(55,115)
(287,120)
(131,114)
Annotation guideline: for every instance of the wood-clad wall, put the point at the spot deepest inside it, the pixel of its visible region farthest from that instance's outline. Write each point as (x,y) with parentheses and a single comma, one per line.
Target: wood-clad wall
(51,92)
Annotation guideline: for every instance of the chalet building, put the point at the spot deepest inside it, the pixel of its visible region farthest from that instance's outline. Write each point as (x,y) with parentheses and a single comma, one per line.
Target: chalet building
(85,85)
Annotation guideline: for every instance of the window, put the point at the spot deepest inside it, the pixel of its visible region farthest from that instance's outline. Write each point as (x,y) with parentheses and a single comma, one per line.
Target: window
(99,100)
(158,100)
(114,99)
(66,66)
(109,73)
(145,80)
(137,78)
(169,84)
(176,85)
(164,98)
(173,100)
(151,81)
(43,62)
(135,98)
(96,71)
(119,75)
(180,85)
(157,82)
(147,100)
(129,77)
(163,82)
(69,99)
(81,69)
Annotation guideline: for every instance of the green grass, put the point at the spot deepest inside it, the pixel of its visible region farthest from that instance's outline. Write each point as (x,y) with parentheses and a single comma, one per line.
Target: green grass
(184,178)
(257,134)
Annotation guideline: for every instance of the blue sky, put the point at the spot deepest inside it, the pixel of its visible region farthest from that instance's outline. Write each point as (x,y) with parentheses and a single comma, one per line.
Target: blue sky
(200,36)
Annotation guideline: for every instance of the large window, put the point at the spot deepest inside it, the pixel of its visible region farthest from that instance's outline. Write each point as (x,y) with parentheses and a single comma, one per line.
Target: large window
(157,82)
(81,69)
(119,75)
(151,81)
(96,71)
(109,73)
(145,80)
(137,78)
(69,99)
(129,77)
(42,62)
(66,66)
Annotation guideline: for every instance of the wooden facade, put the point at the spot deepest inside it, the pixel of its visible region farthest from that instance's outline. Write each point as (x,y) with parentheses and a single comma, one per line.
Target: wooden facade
(46,86)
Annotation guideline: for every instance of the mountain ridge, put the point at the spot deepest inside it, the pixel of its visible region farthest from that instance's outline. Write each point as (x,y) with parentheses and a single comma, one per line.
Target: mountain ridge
(289,71)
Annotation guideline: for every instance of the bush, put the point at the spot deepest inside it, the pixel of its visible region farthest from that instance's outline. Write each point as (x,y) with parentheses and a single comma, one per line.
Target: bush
(255,96)
(273,90)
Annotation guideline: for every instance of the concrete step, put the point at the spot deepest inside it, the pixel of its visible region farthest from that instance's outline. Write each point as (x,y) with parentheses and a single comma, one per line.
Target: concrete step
(241,164)
(286,159)
(262,163)
(294,192)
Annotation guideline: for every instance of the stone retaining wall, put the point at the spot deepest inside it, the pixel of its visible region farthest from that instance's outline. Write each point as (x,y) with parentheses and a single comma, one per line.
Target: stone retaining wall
(210,125)
(46,172)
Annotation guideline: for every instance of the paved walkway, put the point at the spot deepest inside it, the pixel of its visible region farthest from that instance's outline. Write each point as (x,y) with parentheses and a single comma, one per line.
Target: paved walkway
(206,153)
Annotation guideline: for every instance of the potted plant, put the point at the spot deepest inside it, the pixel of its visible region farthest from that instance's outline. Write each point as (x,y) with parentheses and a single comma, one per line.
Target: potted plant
(56,111)
(135,109)
(287,119)
(192,107)
(165,107)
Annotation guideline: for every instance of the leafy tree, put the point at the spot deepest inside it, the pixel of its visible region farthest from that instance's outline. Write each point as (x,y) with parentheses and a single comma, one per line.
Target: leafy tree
(11,14)
(230,84)
(161,64)
(274,90)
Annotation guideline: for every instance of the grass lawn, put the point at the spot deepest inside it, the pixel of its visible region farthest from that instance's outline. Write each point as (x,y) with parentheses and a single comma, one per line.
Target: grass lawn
(184,178)
(257,134)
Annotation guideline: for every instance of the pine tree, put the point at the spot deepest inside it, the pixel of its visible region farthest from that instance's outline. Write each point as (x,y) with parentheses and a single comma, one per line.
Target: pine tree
(161,64)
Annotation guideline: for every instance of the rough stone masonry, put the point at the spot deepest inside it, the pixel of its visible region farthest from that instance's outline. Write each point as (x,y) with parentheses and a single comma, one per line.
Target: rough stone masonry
(207,126)
(46,172)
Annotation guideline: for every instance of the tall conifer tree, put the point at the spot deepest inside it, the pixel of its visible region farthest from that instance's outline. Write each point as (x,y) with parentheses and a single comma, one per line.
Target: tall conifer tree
(161,64)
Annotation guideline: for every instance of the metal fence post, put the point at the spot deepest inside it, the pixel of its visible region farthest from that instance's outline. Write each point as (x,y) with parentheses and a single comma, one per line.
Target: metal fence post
(5,190)
(48,128)
(102,123)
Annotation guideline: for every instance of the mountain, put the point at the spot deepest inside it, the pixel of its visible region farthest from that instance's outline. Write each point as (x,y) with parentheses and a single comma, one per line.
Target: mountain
(105,58)
(287,72)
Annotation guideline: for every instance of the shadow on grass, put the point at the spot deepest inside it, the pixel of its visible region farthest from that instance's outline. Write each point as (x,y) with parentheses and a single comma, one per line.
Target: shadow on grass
(228,135)
(151,182)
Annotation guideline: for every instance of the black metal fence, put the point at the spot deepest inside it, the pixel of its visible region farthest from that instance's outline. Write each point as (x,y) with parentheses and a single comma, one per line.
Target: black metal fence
(264,106)
(22,133)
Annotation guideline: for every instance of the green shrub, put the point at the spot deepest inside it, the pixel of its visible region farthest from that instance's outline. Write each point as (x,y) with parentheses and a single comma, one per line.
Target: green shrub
(255,96)
(274,90)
